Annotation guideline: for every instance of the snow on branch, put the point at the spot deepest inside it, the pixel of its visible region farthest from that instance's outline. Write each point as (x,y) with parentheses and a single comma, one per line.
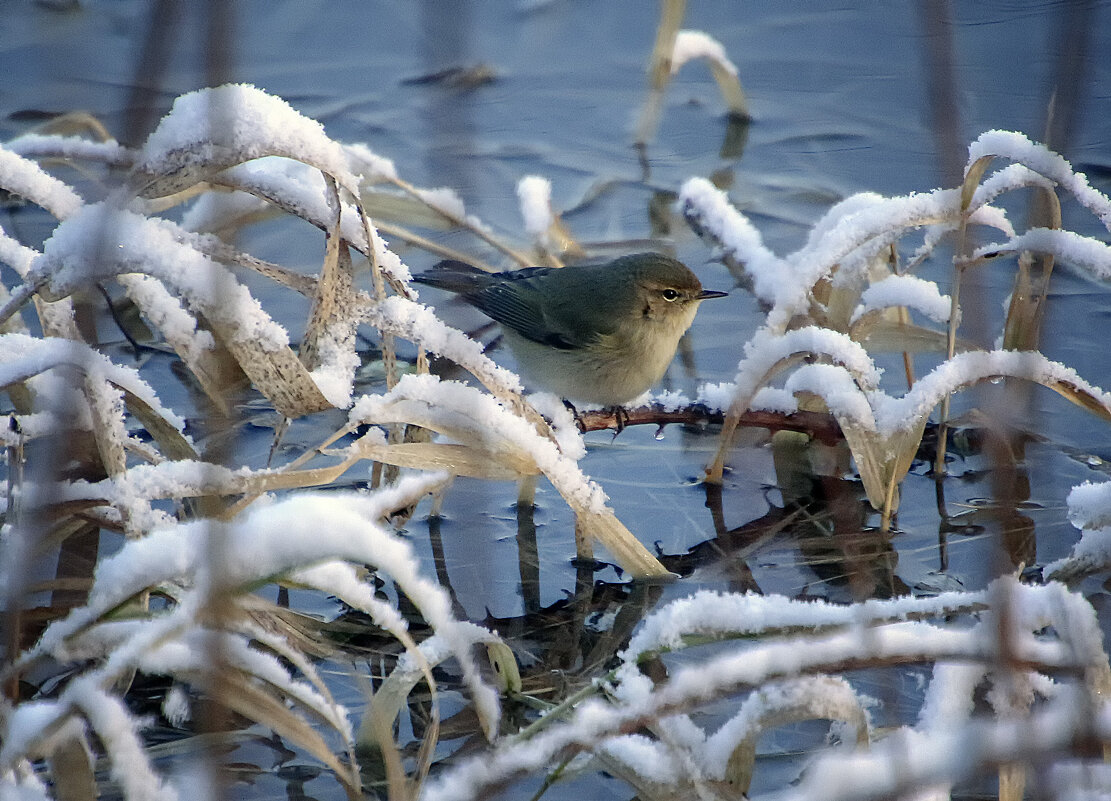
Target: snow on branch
(211,129)
(24,178)
(1039,158)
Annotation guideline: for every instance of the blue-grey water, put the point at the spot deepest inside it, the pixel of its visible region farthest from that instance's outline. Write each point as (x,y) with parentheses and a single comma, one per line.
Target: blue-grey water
(846,97)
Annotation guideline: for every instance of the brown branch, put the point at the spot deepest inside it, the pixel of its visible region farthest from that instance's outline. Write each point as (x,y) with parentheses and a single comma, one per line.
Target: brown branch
(822,427)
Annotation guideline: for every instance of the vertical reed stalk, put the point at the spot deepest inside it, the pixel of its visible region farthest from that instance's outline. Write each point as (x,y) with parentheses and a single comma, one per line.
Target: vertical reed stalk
(968,187)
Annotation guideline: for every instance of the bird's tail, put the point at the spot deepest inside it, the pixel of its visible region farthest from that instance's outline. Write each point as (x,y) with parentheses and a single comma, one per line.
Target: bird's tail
(455,276)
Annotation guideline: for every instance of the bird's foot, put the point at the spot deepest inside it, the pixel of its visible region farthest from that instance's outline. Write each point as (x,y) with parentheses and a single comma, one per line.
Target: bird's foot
(620,417)
(575,413)
(619,413)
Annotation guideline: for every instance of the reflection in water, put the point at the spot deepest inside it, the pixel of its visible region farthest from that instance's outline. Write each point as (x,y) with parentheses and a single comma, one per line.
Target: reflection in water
(446,44)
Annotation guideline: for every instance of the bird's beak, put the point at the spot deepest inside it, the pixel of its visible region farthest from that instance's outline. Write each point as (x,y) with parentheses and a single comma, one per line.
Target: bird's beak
(710,293)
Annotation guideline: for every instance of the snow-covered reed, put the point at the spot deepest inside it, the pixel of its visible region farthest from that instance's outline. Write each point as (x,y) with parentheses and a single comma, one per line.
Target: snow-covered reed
(201,536)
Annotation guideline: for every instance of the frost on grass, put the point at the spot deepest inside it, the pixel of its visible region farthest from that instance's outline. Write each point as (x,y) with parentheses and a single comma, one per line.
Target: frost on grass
(905,290)
(534,194)
(479,420)
(274,160)
(26,179)
(1090,511)
(1042,160)
(690,45)
(30,359)
(801,639)
(210,129)
(270,541)
(100,242)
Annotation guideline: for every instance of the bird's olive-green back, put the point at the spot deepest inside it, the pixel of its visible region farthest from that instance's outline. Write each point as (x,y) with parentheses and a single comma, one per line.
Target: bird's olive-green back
(575,306)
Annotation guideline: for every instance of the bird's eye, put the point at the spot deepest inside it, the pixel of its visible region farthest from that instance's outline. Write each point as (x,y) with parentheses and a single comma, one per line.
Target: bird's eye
(670,295)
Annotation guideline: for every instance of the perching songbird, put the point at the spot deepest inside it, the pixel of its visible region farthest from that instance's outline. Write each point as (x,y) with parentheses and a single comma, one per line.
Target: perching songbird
(595,333)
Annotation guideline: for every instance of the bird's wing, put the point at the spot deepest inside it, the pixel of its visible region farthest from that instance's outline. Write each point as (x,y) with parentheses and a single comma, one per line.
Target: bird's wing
(567,314)
(519,307)
(541,304)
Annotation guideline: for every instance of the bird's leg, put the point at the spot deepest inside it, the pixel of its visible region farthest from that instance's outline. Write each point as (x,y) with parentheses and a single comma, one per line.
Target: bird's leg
(575,413)
(621,419)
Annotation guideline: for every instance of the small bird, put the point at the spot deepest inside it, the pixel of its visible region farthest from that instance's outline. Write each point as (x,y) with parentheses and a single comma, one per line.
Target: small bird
(596,333)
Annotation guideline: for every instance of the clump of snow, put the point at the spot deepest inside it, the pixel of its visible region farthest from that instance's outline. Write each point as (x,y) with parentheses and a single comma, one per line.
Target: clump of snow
(1071,248)
(1017,147)
(766,350)
(716,397)
(176,706)
(418,323)
(131,243)
(690,45)
(671,400)
(23,357)
(57,146)
(710,209)
(367,164)
(567,435)
(872,226)
(335,376)
(234,123)
(822,696)
(25,178)
(774,399)
(534,193)
(1090,510)
(444,200)
(1090,505)
(488,425)
(17,256)
(707,613)
(905,290)
(965,369)
(166,313)
(118,731)
(836,387)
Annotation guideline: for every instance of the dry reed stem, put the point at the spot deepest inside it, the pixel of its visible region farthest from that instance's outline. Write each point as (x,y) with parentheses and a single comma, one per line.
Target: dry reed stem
(465,224)
(659,68)
(972,178)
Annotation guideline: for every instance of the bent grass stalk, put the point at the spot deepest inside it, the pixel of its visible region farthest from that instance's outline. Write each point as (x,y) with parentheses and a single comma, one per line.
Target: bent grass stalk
(816,352)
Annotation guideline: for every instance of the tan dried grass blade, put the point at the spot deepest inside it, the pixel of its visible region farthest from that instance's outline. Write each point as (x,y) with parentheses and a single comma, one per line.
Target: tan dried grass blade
(406,209)
(883,335)
(242,694)
(731,91)
(659,68)
(1081,397)
(460,460)
(507,673)
(214,370)
(171,442)
(738,407)
(108,430)
(461,222)
(335,307)
(883,462)
(71,768)
(973,174)
(278,374)
(1029,295)
(603,526)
